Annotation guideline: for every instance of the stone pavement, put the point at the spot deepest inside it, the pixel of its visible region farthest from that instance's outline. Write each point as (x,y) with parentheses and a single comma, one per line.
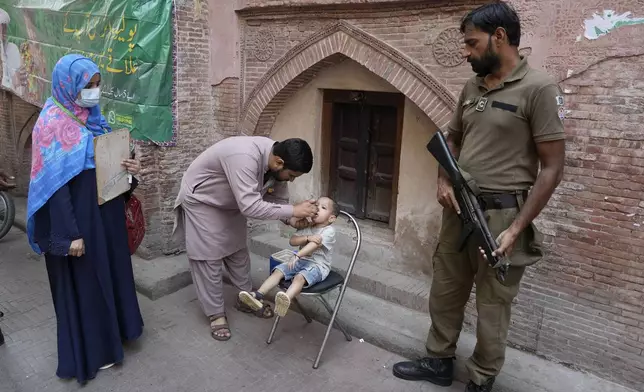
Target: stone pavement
(176,352)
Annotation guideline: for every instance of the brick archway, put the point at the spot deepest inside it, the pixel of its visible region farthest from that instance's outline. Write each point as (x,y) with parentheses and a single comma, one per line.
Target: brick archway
(331,46)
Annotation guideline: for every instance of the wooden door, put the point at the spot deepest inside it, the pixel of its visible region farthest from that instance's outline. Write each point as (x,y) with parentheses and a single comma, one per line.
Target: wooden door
(383,123)
(364,148)
(349,140)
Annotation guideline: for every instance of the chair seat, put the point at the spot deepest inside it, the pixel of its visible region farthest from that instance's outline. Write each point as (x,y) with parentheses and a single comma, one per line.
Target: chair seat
(334,279)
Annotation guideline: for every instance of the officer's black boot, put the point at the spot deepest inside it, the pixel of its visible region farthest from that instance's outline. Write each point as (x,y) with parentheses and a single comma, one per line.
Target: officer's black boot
(486,387)
(439,371)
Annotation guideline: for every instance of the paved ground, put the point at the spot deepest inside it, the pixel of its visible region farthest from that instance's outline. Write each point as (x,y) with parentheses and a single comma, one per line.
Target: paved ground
(176,352)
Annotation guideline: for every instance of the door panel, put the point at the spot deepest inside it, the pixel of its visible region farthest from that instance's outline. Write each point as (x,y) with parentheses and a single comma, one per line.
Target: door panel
(382,149)
(349,175)
(364,141)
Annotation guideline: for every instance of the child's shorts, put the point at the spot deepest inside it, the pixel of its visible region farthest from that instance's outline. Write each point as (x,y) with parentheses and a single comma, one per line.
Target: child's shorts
(313,273)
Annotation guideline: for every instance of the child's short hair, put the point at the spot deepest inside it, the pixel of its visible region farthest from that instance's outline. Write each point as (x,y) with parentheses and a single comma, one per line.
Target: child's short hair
(335,207)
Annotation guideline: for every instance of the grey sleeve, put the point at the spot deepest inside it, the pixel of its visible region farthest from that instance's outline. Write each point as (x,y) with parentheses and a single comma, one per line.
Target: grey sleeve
(241,171)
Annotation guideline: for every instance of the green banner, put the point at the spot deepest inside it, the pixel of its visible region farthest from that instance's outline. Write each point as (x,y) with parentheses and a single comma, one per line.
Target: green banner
(130,40)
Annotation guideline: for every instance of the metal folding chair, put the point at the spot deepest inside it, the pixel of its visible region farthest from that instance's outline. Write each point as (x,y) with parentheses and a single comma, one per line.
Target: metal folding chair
(1,335)
(332,282)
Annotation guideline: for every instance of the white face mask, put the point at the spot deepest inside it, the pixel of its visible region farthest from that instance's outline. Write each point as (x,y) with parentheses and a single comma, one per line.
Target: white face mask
(89,97)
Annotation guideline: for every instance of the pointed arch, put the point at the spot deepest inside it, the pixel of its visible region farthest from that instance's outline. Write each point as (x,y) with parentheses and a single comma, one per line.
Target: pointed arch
(330,46)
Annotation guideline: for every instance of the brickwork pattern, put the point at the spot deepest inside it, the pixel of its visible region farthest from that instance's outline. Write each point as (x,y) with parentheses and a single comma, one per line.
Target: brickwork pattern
(412,32)
(17,119)
(264,124)
(341,38)
(226,107)
(588,299)
(6,132)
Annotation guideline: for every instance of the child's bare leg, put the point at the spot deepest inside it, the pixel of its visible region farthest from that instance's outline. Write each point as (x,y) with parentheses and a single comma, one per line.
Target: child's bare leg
(296,286)
(272,282)
(283,300)
(254,299)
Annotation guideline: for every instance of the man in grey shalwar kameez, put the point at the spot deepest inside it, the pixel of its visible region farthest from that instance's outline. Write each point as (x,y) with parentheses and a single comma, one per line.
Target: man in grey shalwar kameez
(237,178)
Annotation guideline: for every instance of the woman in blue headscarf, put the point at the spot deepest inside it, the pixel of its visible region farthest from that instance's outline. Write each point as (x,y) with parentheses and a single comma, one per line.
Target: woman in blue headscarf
(85,245)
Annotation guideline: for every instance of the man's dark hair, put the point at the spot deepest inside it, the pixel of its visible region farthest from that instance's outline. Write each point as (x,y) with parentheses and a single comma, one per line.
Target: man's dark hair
(296,154)
(489,17)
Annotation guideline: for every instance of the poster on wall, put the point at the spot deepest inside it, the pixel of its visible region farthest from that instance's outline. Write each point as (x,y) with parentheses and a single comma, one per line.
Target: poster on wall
(130,40)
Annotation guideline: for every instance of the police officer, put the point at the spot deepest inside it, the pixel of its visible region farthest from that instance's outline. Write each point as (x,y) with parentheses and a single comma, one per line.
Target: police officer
(507,122)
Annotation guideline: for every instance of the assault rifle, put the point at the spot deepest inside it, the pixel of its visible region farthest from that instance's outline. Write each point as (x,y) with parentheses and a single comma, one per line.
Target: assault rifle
(474,222)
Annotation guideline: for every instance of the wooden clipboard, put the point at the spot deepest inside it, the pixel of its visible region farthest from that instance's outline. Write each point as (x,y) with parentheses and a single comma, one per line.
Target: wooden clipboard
(110,150)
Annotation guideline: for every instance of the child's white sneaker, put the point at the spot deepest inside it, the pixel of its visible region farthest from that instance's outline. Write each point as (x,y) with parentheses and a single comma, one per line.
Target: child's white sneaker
(249,300)
(282,303)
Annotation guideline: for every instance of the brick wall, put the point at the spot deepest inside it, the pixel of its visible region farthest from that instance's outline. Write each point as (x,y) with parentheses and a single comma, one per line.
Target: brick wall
(585,305)
(6,132)
(17,119)
(265,38)
(226,106)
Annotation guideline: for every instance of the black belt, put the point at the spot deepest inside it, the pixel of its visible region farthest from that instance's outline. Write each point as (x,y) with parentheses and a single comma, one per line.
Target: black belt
(500,201)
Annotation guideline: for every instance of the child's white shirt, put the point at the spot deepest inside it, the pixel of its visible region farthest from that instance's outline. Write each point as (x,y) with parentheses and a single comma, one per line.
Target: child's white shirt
(322,255)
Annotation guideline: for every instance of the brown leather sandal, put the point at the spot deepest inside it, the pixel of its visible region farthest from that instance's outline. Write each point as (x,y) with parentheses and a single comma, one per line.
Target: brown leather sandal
(214,328)
(265,311)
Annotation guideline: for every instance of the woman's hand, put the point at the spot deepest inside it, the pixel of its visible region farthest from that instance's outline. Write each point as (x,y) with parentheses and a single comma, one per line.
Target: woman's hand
(6,181)
(77,248)
(133,166)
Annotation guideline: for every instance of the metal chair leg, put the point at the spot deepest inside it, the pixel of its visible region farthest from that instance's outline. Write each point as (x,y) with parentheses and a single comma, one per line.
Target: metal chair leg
(1,335)
(302,310)
(270,337)
(336,321)
(334,313)
(316,363)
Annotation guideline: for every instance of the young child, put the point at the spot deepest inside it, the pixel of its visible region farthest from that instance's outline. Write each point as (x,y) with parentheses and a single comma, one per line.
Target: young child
(310,265)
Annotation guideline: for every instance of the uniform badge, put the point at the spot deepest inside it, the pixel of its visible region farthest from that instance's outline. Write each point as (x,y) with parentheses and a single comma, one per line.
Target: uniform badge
(562,113)
(480,106)
(560,100)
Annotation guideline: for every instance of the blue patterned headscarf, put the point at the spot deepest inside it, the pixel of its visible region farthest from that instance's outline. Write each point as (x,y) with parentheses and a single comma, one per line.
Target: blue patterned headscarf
(61,146)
